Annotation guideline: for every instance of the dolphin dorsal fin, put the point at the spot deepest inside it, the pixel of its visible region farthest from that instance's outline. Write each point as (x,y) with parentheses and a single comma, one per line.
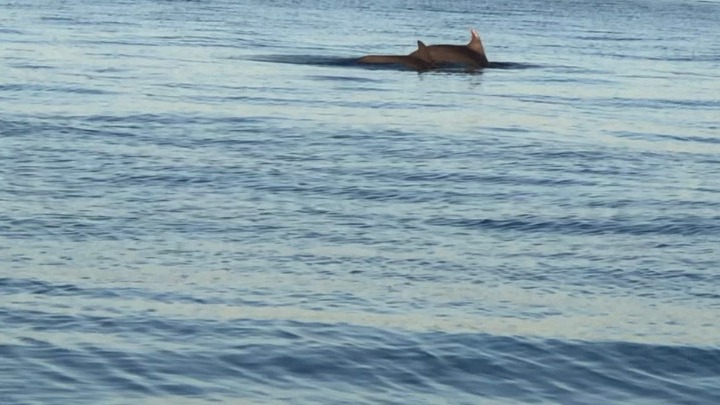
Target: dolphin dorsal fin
(475,43)
(423,52)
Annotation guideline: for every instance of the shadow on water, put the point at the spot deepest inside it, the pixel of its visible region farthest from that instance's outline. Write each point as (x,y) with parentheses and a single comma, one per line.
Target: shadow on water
(306,60)
(333,61)
(511,65)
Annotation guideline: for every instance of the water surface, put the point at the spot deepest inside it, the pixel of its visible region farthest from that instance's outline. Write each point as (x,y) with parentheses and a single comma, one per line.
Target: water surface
(208,201)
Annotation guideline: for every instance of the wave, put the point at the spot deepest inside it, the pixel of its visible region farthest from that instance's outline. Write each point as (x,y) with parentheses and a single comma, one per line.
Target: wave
(92,359)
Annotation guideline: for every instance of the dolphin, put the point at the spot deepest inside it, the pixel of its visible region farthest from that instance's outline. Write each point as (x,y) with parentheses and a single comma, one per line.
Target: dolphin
(419,60)
(472,55)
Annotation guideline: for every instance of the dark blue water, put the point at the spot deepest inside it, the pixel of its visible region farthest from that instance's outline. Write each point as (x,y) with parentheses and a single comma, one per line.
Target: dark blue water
(209,202)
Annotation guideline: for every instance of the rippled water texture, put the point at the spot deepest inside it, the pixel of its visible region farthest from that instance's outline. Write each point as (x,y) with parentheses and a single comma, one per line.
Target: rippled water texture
(209,201)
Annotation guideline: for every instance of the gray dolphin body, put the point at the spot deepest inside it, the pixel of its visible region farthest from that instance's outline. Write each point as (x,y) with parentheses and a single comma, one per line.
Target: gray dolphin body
(471,55)
(419,60)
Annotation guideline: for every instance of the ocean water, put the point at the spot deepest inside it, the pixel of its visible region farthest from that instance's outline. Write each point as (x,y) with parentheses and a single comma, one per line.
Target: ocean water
(210,202)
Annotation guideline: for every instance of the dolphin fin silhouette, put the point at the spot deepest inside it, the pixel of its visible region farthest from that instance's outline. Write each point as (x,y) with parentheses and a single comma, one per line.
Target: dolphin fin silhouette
(423,53)
(472,55)
(419,60)
(475,43)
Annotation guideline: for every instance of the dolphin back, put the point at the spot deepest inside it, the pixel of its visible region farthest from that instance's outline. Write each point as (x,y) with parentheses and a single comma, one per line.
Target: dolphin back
(457,54)
(472,54)
(404,60)
(428,57)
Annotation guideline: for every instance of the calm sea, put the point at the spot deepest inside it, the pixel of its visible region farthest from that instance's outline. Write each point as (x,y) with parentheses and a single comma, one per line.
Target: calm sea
(209,202)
